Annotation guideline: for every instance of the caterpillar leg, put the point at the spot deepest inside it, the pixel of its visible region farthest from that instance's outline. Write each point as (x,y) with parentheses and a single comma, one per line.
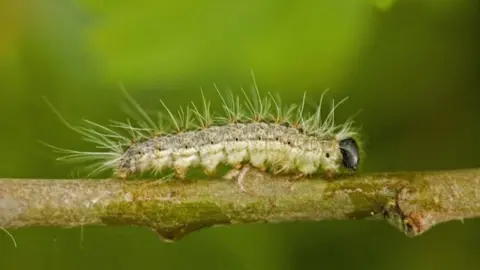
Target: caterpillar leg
(238,166)
(263,168)
(120,174)
(180,172)
(329,174)
(230,175)
(332,174)
(209,172)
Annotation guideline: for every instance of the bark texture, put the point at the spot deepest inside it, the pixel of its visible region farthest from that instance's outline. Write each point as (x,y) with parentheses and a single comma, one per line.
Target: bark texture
(413,202)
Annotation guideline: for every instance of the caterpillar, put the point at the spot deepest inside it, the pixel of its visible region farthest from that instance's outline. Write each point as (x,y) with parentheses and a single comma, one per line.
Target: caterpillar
(254,131)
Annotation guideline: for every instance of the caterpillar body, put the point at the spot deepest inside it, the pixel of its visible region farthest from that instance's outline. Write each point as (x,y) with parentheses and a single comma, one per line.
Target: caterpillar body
(257,132)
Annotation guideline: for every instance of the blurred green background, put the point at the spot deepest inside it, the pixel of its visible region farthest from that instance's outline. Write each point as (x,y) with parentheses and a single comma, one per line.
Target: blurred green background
(410,66)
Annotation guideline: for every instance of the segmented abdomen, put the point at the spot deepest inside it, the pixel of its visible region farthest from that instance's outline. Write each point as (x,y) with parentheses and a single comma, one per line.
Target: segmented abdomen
(262,145)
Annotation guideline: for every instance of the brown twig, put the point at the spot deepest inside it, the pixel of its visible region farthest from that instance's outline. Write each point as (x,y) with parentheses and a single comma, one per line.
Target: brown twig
(413,202)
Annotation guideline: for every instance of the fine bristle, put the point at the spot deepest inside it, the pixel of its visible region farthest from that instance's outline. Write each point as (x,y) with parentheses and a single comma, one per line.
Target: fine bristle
(111,141)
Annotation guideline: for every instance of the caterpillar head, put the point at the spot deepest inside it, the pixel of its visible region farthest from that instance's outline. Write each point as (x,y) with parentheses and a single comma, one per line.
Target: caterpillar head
(350,153)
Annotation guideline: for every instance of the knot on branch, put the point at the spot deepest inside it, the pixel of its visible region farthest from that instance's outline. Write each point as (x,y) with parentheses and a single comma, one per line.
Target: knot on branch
(407,213)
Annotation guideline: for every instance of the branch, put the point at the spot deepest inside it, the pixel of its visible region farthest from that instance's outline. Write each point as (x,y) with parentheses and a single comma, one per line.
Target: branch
(412,202)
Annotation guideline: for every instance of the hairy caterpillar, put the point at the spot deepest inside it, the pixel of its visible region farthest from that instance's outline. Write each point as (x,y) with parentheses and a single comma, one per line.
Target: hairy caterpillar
(254,131)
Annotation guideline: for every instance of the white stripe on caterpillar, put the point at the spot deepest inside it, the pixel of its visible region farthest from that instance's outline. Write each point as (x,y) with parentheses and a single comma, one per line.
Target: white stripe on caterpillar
(265,135)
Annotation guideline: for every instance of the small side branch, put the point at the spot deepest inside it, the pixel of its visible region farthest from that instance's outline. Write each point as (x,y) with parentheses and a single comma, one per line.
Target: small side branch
(412,202)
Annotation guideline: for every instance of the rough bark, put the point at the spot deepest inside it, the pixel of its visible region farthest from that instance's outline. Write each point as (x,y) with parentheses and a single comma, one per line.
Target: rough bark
(413,202)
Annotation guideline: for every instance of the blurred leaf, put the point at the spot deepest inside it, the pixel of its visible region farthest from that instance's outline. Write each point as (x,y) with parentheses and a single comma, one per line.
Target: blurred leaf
(143,41)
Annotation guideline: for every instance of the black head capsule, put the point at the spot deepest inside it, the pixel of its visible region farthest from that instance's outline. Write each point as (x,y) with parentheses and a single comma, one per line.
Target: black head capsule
(350,153)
